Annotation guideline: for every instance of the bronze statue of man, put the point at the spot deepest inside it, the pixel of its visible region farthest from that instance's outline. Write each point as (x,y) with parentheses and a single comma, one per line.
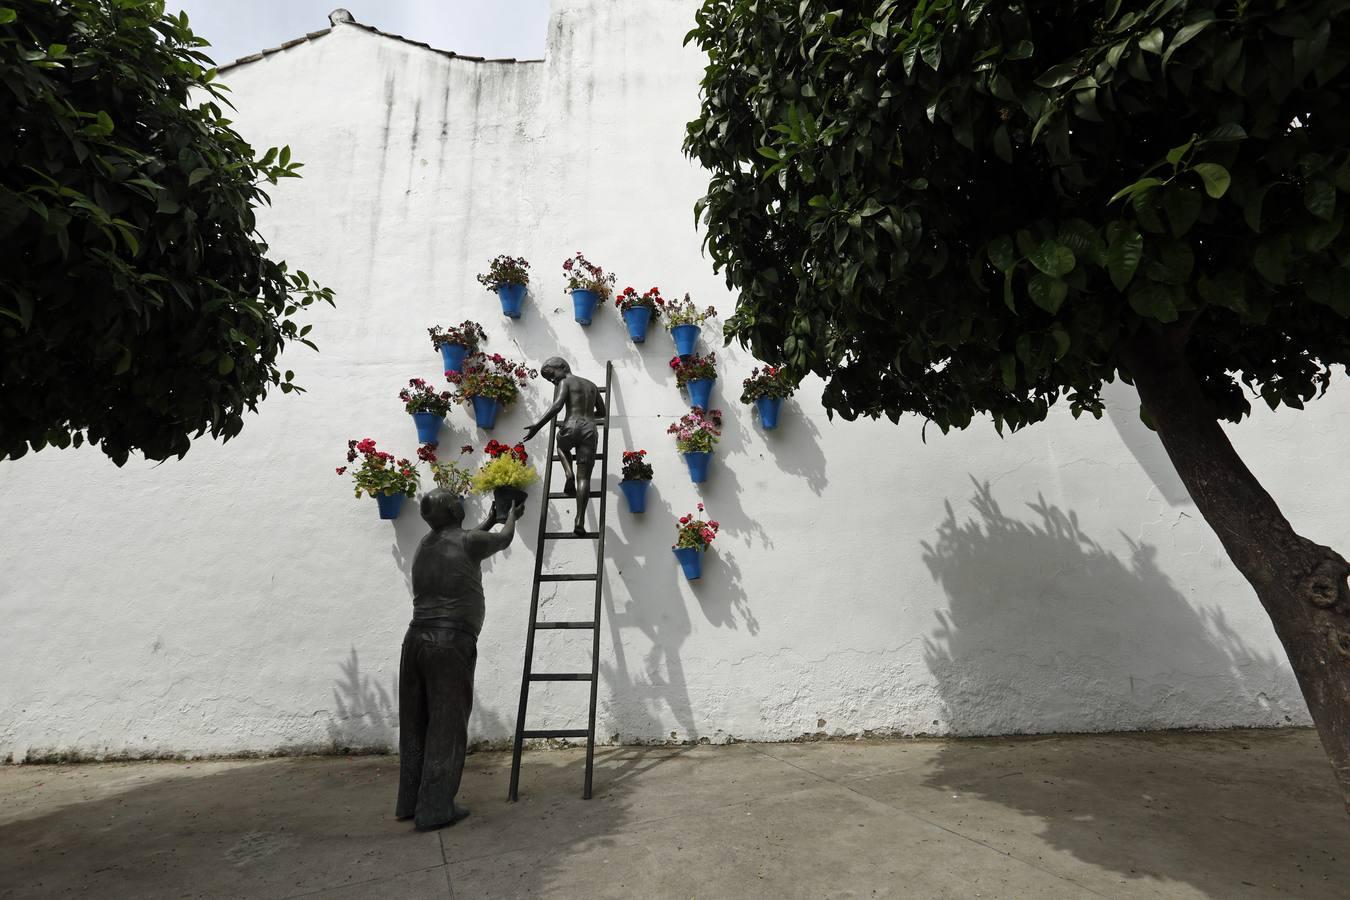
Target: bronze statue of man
(577,432)
(440,650)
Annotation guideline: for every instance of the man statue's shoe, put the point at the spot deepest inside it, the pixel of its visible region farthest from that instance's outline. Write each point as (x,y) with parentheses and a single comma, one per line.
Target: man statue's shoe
(457,814)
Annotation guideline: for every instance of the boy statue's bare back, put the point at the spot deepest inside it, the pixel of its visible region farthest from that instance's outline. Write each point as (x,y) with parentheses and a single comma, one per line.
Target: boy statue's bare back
(578,433)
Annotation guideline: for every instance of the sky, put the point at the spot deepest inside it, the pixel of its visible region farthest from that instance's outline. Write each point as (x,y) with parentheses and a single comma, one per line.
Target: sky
(492,28)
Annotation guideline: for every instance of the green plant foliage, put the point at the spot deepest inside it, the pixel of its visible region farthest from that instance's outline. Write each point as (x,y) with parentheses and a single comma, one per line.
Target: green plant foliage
(138,305)
(503,471)
(954,208)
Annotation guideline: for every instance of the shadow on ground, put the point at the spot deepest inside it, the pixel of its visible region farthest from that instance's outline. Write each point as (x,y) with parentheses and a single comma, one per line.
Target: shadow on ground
(1045,628)
(1236,814)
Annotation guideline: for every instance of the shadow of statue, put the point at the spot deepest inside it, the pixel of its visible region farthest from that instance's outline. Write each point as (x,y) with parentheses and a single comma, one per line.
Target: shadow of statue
(364,716)
(1047,630)
(652,610)
(1122,408)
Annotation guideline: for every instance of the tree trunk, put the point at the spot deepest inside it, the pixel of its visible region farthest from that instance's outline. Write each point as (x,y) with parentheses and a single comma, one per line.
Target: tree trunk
(1302,585)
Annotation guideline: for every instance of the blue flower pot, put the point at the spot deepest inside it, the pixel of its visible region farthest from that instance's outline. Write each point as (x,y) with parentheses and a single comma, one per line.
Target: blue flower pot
(390,505)
(428,427)
(635,492)
(686,339)
(698,465)
(512,297)
(691,560)
(485,412)
(637,318)
(700,392)
(768,411)
(453,356)
(583,305)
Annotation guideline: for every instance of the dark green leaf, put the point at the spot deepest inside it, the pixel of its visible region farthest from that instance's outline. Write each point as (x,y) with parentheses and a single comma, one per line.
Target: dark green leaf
(1319,196)
(1053,259)
(1153,301)
(1001,253)
(1215,177)
(1046,292)
(1152,42)
(1182,204)
(1122,257)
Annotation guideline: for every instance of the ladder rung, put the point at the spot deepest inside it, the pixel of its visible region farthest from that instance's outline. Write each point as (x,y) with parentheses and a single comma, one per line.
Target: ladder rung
(587,577)
(562,732)
(559,495)
(558,458)
(570,536)
(564,624)
(562,676)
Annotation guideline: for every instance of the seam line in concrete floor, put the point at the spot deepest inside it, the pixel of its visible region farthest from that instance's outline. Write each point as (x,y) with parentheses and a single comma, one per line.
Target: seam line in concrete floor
(914,815)
(352,884)
(449,884)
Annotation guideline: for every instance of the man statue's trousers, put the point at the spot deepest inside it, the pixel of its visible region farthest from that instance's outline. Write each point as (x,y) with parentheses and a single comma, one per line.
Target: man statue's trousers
(435,697)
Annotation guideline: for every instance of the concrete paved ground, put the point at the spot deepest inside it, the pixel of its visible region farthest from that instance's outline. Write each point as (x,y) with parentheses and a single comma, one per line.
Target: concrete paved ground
(1230,815)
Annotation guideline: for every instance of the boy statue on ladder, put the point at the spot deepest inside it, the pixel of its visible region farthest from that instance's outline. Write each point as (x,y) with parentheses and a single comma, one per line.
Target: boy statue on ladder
(577,432)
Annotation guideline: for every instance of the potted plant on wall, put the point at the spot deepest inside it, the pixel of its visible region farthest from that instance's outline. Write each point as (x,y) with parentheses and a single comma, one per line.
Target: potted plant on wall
(388,480)
(456,343)
(506,474)
(508,276)
(693,535)
(766,388)
(588,284)
(639,310)
(685,321)
(428,408)
(637,477)
(696,434)
(696,375)
(447,473)
(489,384)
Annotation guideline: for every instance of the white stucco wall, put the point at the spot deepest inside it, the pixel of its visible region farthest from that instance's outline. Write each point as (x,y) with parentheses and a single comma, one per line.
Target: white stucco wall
(865,581)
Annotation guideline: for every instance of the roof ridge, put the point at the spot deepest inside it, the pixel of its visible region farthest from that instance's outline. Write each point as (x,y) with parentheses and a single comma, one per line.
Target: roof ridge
(341,17)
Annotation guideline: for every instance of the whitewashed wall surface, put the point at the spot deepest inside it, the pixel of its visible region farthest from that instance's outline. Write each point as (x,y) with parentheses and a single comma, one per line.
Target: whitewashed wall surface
(865,582)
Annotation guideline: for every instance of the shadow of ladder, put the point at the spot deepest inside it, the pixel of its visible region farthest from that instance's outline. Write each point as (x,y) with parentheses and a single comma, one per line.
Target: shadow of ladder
(529,676)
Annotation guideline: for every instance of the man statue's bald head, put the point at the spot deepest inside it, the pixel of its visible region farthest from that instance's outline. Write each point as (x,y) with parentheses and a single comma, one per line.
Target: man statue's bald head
(442,509)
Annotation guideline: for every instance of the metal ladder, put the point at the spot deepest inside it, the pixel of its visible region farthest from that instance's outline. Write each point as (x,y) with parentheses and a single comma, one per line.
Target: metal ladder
(598,576)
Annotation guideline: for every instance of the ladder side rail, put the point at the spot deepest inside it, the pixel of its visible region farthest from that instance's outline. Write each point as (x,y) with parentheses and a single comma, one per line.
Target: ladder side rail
(601,526)
(519,742)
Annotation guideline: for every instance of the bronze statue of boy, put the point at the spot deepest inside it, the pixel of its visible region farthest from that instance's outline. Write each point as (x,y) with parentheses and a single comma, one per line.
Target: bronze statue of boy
(577,432)
(440,650)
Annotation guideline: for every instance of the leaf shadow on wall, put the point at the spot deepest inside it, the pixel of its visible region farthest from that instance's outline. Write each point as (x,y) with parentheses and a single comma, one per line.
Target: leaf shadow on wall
(364,716)
(1040,618)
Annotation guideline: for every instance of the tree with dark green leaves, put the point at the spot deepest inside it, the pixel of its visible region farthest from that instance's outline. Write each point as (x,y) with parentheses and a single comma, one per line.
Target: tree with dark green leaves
(959,209)
(138,304)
